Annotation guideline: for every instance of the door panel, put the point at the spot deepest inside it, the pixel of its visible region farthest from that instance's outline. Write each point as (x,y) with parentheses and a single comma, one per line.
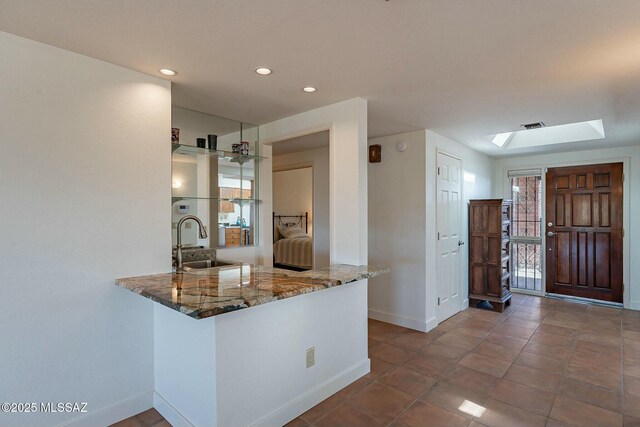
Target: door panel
(449,213)
(584,242)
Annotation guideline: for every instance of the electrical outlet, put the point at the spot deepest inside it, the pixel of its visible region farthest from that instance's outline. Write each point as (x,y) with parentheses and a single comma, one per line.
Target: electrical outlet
(174,225)
(187,226)
(311,357)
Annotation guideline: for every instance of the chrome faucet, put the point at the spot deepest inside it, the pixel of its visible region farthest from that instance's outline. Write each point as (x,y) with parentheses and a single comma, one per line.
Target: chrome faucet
(203,235)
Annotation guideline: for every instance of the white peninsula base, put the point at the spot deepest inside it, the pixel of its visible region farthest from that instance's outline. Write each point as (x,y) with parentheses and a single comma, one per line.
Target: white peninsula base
(248,367)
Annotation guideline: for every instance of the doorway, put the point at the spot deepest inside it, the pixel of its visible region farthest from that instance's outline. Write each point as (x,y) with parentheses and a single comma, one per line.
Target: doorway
(449,229)
(584,234)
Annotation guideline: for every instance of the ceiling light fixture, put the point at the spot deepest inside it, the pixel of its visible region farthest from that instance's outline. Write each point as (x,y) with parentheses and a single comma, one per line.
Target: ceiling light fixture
(309,89)
(167,72)
(263,71)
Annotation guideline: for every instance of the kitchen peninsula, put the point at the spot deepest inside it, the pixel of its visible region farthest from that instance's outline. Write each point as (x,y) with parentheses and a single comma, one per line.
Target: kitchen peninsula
(248,345)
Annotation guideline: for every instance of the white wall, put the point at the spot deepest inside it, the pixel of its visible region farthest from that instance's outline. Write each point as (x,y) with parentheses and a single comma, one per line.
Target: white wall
(630,156)
(85,184)
(347,125)
(397,220)
(402,207)
(293,193)
(319,159)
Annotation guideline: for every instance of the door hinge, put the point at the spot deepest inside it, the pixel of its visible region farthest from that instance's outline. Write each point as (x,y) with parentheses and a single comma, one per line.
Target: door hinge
(438,300)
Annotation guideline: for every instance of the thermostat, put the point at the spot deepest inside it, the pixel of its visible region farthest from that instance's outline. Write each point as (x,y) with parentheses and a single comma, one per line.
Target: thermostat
(183,209)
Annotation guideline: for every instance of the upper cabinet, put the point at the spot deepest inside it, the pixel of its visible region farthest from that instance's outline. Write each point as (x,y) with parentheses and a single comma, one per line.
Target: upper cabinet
(214,176)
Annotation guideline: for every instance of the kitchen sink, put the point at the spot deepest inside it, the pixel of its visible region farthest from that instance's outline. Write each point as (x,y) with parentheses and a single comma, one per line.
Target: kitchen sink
(203,267)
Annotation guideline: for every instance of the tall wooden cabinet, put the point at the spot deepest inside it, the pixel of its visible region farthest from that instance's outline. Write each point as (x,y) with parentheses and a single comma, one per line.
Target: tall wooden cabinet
(489,252)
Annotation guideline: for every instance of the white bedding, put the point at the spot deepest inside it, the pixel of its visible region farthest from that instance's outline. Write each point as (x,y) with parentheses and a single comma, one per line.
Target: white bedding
(294,252)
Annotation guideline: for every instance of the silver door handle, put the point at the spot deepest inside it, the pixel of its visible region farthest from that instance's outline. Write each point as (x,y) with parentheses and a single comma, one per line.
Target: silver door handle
(550,234)
(460,243)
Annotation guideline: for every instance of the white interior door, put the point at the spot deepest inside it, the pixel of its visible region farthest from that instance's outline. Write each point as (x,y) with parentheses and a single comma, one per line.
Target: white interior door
(449,227)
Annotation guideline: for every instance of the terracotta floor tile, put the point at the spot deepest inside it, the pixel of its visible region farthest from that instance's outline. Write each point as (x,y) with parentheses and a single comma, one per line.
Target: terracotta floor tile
(526,315)
(610,349)
(552,339)
(520,323)
(533,378)
(355,387)
(463,401)
(631,421)
(608,379)
(453,340)
(392,353)
(600,338)
(381,402)
(632,385)
(592,394)
(541,362)
(514,331)
(413,340)
(610,362)
(499,414)
(604,311)
(506,340)
(322,408)
(523,396)
(348,416)
(497,351)
(129,422)
(488,365)
(379,367)
(631,366)
(631,335)
(381,331)
(558,330)
(582,414)
(297,422)
(573,324)
(442,351)
(631,404)
(408,381)
(470,378)
(555,423)
(422,414)
(558,351)
(430,366)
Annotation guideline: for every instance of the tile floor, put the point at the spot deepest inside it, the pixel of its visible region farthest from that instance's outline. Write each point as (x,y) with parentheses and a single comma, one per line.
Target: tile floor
(542,362)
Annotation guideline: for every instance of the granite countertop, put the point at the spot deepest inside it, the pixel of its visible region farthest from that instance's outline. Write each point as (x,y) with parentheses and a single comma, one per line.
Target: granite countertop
(224,289)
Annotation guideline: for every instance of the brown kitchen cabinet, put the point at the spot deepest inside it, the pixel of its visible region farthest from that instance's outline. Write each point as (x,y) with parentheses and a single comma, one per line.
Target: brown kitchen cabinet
(489,252)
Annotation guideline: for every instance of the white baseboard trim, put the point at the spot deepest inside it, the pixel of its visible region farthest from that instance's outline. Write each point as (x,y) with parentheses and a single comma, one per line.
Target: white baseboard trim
(465,304)
(171,414)
(114,413)
(407,322)
(308,400)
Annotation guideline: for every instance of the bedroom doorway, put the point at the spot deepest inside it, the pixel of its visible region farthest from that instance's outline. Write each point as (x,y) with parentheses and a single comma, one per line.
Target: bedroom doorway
(300,196)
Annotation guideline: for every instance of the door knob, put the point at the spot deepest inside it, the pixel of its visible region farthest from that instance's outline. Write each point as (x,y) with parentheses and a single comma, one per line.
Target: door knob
(460,243)
(550,234)
(550,224)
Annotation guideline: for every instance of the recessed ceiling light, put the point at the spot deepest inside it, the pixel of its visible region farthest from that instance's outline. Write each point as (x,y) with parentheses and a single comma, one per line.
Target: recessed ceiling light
(309,89)
(263,71)
(167,72)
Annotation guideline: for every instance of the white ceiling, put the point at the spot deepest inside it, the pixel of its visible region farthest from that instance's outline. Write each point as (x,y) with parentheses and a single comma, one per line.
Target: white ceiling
(464,69)
(311,141)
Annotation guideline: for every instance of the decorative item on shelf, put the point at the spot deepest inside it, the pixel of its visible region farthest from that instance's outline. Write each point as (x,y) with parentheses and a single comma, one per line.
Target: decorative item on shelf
(375,153)
(244,148)
(212,141)
(235,148)
(201,142)
(175,135)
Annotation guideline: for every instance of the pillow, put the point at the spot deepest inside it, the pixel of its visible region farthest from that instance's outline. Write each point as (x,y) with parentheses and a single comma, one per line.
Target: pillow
(292,232)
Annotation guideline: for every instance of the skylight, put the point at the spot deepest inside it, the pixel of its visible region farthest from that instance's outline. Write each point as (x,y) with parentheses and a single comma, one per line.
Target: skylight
(561,134)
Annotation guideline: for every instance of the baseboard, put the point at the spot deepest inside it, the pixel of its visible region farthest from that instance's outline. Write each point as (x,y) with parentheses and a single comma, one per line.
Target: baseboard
(171,414)
(114,413)
(308,400)
(634,305)
(407,322)
(465,304)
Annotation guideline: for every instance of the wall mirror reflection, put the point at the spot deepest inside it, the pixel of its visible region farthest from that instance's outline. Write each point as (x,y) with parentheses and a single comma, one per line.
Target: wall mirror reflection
(214,177)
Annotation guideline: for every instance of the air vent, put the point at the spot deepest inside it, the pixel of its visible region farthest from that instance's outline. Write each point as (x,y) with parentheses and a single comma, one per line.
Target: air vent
(536,125)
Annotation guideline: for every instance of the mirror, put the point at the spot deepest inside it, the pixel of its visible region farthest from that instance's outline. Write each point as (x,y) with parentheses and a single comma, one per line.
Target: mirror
(216,182)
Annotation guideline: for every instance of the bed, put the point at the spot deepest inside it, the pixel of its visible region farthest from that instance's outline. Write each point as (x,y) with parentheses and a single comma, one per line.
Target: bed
(292,246)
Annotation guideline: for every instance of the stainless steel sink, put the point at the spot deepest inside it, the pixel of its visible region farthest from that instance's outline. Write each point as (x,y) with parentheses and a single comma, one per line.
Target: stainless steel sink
(204,267)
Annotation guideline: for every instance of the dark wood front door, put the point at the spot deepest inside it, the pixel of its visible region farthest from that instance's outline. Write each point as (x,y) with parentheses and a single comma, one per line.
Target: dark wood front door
(584,231)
